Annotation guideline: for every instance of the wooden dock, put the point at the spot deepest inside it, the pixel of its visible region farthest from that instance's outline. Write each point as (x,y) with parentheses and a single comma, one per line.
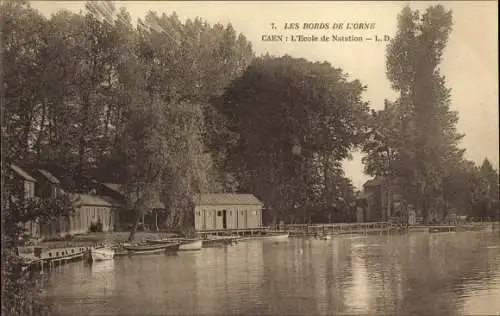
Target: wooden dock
(244,232)
(49,257)
(304,230)
(338,228)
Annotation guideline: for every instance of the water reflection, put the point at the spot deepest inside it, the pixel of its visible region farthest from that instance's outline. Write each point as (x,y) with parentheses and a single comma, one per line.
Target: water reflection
(418,274)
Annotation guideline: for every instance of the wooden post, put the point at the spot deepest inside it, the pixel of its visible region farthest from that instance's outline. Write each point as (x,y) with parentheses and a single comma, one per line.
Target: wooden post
(156,220)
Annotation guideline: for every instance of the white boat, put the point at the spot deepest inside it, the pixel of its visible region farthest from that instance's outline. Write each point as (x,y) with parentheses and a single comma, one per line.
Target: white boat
(276,236)
(103,253)
(191,245)
(151,249)
(325,237)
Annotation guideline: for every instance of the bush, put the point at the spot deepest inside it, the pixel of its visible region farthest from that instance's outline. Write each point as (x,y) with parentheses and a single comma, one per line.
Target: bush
(96,227)
(19,292)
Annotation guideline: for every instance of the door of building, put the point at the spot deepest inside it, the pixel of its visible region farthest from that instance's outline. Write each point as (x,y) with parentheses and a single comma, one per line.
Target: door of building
(224,219)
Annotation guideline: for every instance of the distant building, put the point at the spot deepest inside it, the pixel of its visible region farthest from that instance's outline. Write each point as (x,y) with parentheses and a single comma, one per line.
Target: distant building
(93,209)
(227,211)
(153,219)
(90,208)
(363,200)
(380,203)
(48,186)
(22,188)
(22,183)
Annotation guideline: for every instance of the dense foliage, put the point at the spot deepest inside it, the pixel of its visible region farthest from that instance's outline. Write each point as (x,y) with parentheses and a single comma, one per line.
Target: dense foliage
(19,291)
(414,138)
(288,125)
(103,98)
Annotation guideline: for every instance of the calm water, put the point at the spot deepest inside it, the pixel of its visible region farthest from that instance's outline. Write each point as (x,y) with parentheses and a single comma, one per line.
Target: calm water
(414,274)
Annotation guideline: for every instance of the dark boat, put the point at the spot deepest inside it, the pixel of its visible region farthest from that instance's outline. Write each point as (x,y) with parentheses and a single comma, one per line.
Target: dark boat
(147,249)
(184,243)
(220,241)
(159,241)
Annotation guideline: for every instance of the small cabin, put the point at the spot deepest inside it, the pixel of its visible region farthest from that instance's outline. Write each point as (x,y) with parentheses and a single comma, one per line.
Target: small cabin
(92,209)
(22,188)
(47,186)
(227,211)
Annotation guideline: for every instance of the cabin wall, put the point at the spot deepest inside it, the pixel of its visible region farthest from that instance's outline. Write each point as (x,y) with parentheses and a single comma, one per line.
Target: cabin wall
(81,221)
(209,217)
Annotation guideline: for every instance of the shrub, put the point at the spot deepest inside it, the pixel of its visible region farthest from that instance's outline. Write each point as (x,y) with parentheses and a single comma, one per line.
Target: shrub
(96,227)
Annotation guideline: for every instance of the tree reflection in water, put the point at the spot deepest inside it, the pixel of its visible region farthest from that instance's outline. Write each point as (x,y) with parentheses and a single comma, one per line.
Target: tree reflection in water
(412,274)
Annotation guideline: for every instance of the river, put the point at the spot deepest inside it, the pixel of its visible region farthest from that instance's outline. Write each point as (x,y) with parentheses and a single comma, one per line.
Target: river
(409,274)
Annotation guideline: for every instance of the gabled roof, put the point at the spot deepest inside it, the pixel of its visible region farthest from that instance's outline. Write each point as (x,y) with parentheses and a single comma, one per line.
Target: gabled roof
(373,182)
(49,176)
(115,187)
(363,195)
(118,188)
(226,199)
(95,200)
(23,174)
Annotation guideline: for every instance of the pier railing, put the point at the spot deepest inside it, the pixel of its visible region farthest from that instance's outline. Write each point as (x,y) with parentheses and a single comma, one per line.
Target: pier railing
(334,228)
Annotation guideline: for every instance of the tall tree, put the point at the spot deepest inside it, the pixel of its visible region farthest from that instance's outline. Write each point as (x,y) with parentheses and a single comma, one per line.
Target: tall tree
(23,30)
(289,124)
(489,192)
(427,127)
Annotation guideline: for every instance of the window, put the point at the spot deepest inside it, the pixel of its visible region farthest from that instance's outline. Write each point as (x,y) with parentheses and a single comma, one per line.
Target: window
(198,213)
(219,213)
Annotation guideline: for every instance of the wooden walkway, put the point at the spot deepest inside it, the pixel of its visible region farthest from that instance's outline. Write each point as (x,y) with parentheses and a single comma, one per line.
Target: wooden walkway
(337,228)
(233,232)
(40,258)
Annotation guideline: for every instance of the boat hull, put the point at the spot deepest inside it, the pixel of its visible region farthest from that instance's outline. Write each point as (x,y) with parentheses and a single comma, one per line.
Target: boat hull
(102,254)
(191,245)
(277,236)
(149,249)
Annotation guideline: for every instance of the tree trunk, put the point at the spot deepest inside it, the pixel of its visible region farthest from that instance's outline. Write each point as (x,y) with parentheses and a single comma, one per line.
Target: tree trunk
(134,227)
(140,208)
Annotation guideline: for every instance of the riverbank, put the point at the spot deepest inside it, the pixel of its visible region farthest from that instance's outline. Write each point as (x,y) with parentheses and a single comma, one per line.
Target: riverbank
(90,239)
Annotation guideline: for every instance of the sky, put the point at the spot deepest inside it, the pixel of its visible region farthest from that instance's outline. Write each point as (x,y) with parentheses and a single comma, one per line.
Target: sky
(470,60)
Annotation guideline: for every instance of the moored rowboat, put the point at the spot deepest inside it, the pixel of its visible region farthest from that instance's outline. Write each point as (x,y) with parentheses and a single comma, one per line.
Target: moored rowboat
(214,241)
(269,236)
(149,249)
(103,253)
(184,243)
(277,236)
(192,244)
(159,241)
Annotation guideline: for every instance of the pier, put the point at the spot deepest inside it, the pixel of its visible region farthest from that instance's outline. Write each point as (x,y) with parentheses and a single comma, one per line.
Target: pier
(242,232)
(337,228)
(37,257)
(305,229)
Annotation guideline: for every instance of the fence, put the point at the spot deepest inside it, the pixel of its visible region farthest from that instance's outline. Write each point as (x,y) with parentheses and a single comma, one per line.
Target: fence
(334,228)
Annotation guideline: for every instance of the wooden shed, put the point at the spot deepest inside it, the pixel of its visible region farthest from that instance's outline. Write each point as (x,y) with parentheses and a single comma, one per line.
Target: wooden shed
(92,209)
(227,211)
(23,189)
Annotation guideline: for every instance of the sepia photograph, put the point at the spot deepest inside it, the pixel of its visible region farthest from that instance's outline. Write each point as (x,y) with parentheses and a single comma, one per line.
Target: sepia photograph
(249,158)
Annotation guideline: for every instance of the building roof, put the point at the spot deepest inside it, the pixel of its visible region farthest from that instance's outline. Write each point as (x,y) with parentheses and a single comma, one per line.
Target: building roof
(373,182)
(96,200)
(226,199)
(115,187)
(49,176)
(23,174)
(364,195)
(118,188)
